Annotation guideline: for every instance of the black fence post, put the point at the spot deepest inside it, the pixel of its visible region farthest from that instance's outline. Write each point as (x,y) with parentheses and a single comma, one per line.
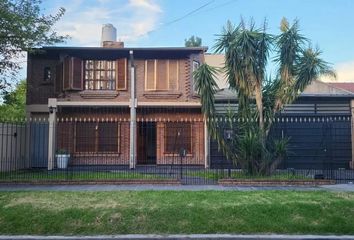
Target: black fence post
(182,154)
(330,148)
(180,168)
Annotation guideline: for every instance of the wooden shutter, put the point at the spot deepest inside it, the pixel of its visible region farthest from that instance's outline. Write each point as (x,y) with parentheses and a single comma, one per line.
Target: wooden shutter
(178,136)
(108,137)
(150,75)
(77,74)
(122,74)
(173,74)
(72,77)
(59,78)
(171,138)
(186,136)
(66,73)
(85,137)
(161,75)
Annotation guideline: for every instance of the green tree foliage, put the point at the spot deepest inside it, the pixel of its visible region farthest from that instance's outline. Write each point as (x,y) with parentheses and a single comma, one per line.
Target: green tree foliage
(14,102)
(23,27)
(260,97)
(193,41)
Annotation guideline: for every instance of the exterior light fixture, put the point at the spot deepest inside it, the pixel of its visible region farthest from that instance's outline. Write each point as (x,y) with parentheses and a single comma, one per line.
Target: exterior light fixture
(52,109)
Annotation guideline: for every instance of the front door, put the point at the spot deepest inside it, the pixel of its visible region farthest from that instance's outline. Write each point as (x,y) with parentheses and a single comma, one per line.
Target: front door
(146,143)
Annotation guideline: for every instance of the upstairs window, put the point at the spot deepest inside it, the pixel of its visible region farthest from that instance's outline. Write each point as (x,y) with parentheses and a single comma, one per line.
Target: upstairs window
(100,75)
(105,75)
(161,75)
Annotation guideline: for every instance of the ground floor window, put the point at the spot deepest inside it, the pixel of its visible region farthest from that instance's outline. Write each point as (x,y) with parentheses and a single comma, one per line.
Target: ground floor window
(97,137)
(178,136)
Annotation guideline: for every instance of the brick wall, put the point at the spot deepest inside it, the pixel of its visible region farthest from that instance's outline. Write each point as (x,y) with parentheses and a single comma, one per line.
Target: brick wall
(196,157)
(38,90)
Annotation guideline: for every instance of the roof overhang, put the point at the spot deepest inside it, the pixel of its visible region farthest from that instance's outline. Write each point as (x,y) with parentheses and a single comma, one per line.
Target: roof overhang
(126,104)
(228,97)
(111,53)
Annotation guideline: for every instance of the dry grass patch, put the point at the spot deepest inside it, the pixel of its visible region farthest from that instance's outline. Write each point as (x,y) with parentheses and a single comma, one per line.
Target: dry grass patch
(66,201)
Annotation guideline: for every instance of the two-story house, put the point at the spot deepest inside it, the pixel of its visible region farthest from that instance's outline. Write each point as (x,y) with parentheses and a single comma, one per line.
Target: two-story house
(114,105)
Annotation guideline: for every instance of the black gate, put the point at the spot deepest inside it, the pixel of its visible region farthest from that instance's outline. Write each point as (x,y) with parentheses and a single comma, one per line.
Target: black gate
(318,145)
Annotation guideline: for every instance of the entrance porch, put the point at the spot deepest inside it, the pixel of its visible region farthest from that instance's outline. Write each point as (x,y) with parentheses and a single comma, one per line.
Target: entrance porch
(101,136)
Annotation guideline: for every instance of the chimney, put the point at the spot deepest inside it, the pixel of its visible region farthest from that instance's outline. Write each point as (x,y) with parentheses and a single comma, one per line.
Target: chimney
(109,37)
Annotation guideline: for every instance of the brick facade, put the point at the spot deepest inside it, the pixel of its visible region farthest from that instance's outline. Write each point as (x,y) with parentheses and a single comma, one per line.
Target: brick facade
(39,91)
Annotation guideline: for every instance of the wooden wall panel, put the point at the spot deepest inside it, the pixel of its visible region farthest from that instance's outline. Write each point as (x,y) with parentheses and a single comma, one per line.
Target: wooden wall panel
(122,74)
(77,75)
(150,75)
(162,77)
(173,75)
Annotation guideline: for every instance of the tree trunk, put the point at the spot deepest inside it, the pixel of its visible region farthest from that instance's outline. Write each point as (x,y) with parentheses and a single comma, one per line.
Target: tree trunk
(259,103)
(274,165)
(278,104)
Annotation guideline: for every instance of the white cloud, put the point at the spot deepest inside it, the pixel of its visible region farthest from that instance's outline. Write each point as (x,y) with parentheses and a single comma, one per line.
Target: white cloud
(133,19)
(344,71)
(145,4)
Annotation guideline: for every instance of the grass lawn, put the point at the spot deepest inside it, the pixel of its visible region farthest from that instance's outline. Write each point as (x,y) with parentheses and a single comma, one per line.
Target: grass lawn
(79,175)
(124,212)
(215,175)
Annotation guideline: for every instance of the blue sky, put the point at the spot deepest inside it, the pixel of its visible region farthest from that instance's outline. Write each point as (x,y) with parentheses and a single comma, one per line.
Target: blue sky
(328,23)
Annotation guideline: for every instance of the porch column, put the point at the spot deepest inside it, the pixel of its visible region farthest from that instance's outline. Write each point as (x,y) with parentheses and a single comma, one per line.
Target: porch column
(133,105)
(206,145)
(351,164)
(52,105)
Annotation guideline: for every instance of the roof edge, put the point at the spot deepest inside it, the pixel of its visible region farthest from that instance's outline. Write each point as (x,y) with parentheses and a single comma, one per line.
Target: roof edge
(328,84)
(203,48)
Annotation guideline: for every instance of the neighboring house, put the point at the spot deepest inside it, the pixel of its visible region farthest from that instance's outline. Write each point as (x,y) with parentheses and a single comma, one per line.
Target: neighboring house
(348,86)
(218,61)
(312,144)
(116,105)
(310,139)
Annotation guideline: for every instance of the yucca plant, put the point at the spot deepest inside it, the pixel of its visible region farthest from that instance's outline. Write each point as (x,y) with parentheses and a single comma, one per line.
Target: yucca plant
(247,49)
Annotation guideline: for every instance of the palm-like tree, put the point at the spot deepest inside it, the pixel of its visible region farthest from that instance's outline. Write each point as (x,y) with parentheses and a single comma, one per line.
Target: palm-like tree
(298,66)
(247,50)
(246,56)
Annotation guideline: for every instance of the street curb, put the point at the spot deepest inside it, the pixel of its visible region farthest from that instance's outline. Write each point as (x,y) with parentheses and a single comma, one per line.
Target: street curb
(96,182)
(260,183)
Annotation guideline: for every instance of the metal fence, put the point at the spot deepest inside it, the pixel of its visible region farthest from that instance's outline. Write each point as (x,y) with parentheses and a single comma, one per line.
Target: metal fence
(98,149)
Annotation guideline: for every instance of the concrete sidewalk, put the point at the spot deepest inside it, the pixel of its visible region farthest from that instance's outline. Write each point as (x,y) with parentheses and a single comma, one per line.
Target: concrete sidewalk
(175,237)
(337,187)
